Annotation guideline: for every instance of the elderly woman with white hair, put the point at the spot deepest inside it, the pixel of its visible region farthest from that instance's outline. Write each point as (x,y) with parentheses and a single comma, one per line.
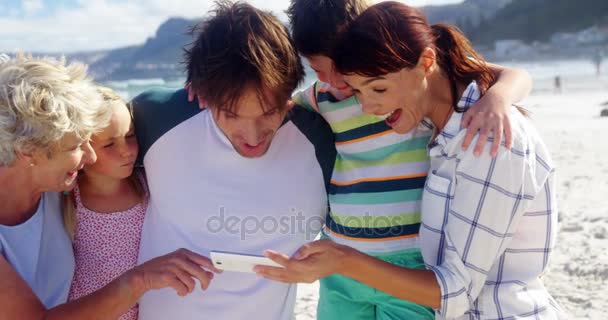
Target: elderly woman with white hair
(48,111)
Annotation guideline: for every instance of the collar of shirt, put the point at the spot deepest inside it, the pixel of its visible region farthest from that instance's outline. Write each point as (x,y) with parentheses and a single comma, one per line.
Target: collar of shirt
(454,125)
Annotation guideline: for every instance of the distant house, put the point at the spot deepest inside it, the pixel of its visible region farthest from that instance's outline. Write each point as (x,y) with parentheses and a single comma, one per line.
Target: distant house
(511,48)
(589,36)
(593,35)
(564,40)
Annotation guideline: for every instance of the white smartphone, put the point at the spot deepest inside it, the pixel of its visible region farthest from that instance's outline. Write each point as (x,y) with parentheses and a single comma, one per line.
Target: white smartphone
(230,261)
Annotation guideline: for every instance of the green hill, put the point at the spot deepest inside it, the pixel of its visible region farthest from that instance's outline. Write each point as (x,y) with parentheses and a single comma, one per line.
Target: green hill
(158,57)
(537,20)
(484,21)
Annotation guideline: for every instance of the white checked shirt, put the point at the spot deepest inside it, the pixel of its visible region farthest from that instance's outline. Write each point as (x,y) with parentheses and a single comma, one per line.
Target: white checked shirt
(489,224)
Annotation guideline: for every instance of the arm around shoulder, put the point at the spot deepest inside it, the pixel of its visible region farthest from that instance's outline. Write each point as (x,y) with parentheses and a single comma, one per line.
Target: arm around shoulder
(491,114)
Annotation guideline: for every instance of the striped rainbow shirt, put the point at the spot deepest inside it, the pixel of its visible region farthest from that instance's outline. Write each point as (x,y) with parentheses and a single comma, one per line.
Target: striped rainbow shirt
(378,176)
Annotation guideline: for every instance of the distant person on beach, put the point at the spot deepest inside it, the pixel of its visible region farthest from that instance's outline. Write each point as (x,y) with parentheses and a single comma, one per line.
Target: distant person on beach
(220,178)
(48,111)
(598,57)
(557,84)
(488,224)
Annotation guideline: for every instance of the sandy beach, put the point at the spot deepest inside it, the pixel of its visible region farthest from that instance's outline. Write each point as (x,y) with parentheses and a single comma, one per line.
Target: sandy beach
(572,129)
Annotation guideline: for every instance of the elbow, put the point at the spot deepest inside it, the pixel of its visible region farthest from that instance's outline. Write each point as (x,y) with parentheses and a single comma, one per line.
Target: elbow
(455,300)
(525,79)
(525,75)
(455,306)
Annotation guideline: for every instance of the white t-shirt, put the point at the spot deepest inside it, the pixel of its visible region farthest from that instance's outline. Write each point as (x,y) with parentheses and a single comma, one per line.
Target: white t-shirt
(204,196)
(41,251)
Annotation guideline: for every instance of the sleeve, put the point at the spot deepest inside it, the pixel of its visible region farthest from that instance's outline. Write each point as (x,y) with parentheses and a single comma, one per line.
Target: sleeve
(137,105)
(157,111)
(307,98)
(320,135)
(489,195)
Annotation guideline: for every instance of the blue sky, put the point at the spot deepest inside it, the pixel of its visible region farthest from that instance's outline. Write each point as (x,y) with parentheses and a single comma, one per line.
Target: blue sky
(79,25)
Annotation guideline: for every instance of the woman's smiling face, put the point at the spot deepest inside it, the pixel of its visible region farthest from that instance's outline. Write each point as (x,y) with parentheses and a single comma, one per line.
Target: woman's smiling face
(396,96)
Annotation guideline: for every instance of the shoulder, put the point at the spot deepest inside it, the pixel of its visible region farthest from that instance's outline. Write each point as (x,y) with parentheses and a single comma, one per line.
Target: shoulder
(308,122)
(318,132)
(527,160)
(307,97)
(163,102)
(525,137)
(157,111)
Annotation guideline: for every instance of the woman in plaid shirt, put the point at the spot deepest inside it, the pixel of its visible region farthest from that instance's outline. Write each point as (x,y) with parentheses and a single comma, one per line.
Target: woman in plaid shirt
(488,224)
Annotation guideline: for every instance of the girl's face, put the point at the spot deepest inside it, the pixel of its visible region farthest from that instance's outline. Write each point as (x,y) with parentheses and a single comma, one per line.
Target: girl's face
(396,96)
(323,66)
(116,146)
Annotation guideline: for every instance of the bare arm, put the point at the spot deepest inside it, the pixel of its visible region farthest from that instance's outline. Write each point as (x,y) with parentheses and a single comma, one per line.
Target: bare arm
(176,270)
(415,285)
(512,84)
(491,112)
(322,258)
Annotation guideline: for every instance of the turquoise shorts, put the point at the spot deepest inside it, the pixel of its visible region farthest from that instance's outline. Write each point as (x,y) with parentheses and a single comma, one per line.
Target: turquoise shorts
(344,298)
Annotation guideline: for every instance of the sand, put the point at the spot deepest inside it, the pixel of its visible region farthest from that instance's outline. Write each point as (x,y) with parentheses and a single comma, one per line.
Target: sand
(577,137)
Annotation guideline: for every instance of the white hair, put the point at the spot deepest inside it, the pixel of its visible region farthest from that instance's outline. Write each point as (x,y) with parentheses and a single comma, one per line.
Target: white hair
(42,100)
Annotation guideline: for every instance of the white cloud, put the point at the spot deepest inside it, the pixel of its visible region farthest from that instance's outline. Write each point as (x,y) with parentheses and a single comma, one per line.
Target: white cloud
(103,24)
(32,6)
(13,12)
(96,25)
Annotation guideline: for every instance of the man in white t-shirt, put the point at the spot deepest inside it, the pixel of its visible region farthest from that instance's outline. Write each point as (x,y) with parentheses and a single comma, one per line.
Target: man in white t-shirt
(244,175)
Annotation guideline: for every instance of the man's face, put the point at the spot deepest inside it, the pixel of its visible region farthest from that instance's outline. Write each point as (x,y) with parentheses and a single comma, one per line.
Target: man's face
(250,129)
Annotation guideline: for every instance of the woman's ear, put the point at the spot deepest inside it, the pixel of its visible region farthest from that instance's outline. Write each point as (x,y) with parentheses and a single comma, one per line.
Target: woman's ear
(427,60)
(26,158)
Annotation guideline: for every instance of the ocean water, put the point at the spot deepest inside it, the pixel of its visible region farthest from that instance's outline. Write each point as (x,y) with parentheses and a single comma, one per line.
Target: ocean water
(575,75)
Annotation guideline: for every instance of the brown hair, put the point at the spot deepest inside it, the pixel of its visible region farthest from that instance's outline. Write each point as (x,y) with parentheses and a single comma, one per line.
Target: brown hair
(68,205)
(315,24)
(390,36)
(239,48)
